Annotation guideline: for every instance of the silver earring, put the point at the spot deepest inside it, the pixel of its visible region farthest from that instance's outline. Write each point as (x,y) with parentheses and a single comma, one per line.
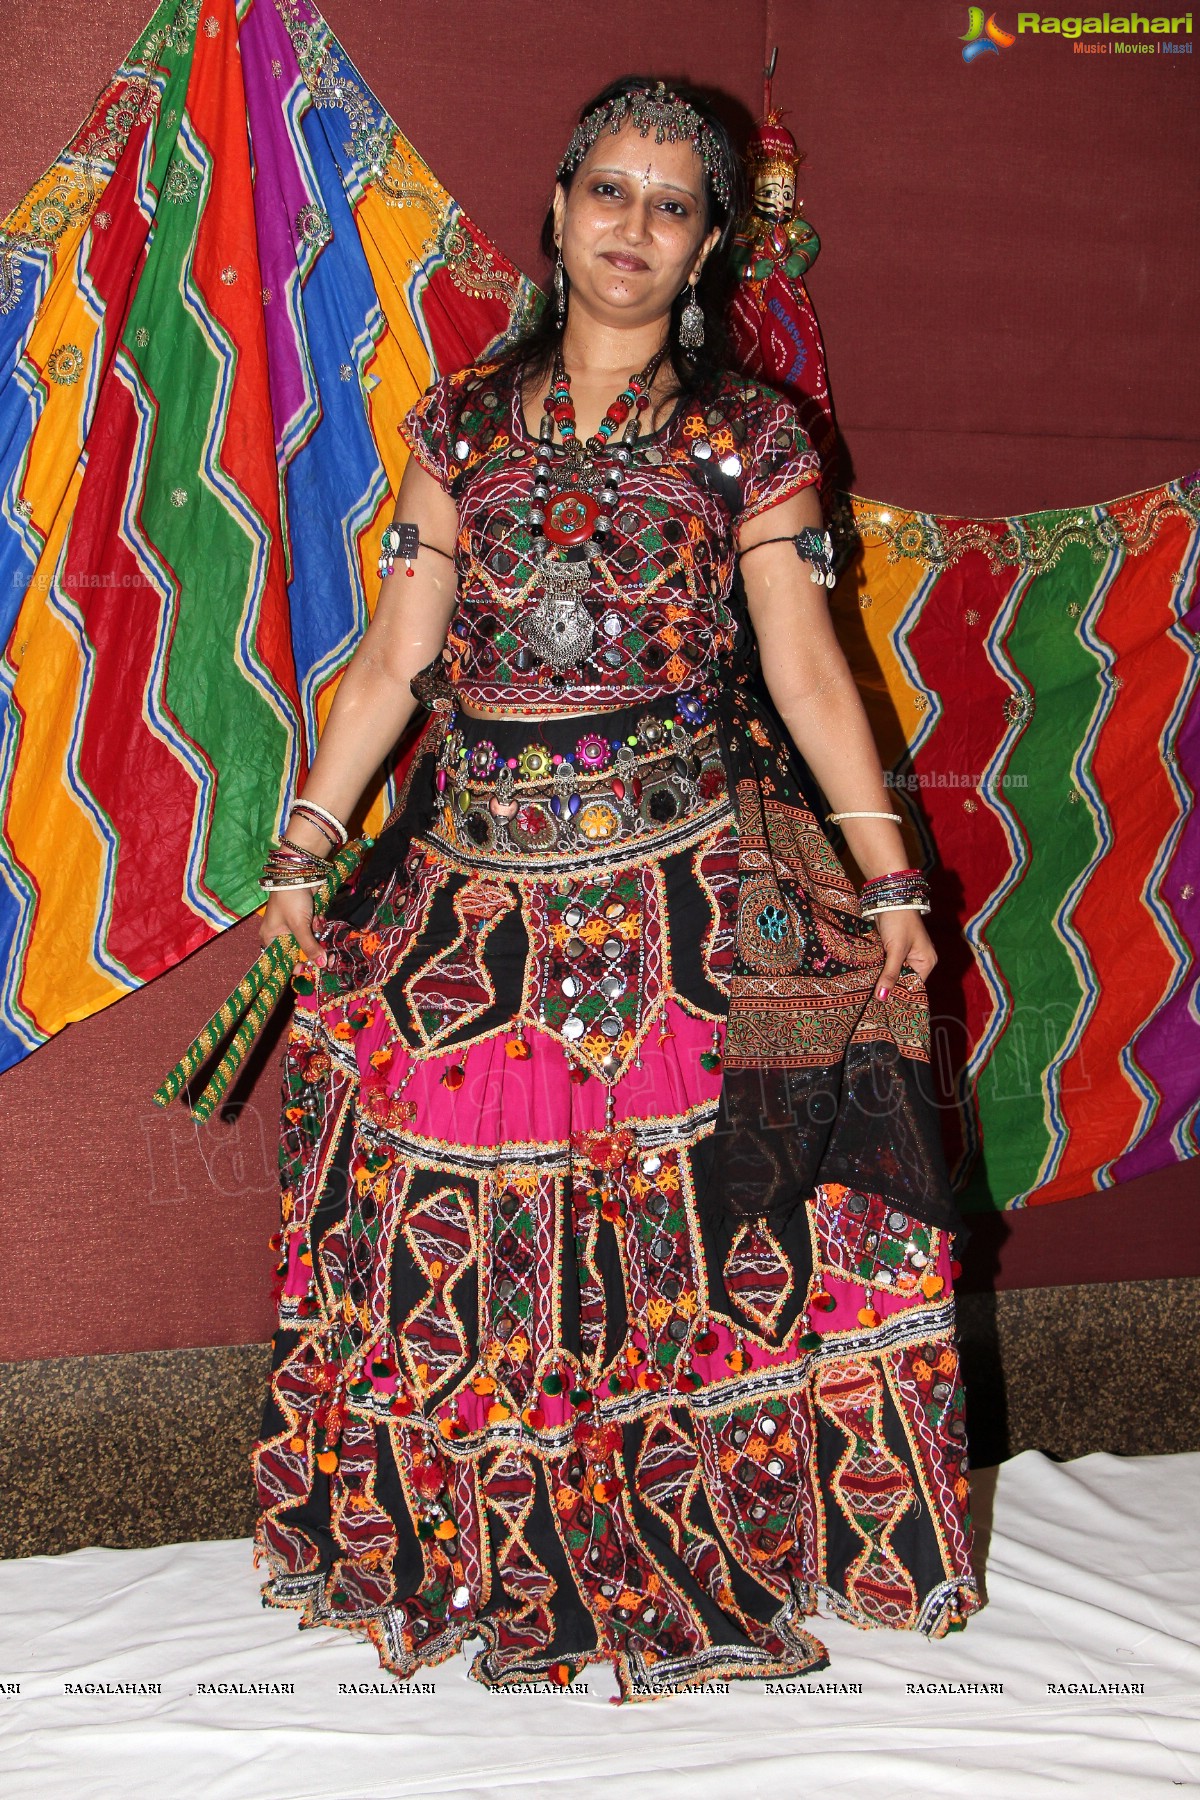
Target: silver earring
(560,294)
(691,322)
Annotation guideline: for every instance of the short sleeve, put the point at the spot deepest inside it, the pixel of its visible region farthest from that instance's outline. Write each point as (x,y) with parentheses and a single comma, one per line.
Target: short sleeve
(427,429)
(778,457)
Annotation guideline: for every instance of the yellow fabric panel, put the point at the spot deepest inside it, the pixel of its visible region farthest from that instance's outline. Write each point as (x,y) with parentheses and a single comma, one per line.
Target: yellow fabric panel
(61,980)
(868,605)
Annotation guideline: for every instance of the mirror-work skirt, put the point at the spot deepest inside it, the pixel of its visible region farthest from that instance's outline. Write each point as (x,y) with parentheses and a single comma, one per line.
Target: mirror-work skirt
(523,1389)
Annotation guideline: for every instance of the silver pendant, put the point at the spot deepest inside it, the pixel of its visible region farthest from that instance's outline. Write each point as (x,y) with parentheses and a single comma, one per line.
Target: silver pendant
(559,629)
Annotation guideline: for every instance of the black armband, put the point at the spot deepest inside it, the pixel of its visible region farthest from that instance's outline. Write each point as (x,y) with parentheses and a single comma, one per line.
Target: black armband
(403,540)
(817,548)
(812,546)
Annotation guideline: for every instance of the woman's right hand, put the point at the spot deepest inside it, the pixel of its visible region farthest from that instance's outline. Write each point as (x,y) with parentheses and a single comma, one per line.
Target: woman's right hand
(291,910)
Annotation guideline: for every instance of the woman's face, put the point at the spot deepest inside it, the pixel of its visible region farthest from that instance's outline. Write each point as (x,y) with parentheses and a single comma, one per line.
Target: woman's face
(631,227)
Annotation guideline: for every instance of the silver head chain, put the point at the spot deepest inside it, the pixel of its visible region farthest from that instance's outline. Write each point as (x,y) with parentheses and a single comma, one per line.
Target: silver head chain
(670,118)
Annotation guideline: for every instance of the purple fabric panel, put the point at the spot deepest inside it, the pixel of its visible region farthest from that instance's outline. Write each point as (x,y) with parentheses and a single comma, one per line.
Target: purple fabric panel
(1168,1048)
(280,191)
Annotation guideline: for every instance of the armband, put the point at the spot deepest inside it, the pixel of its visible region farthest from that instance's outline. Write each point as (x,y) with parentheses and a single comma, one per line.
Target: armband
(404,541)
(817,548)
(812,546)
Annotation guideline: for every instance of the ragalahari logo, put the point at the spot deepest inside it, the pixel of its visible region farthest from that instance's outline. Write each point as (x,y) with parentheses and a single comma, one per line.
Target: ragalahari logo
(982,38)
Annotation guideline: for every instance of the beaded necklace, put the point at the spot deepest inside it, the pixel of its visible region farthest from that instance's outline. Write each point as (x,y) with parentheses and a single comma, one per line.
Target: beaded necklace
(574,492)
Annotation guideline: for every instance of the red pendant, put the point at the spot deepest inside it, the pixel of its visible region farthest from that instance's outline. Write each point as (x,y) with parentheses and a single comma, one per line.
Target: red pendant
(570,517)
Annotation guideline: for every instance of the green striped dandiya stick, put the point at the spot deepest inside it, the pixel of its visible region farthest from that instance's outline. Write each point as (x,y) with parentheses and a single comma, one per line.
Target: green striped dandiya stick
(252,1001)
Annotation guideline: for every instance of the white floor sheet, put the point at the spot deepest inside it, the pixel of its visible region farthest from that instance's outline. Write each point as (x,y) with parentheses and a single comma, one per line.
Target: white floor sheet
(1092,1571)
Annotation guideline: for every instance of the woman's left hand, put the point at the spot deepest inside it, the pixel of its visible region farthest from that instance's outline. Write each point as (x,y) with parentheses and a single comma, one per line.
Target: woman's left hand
(905,940)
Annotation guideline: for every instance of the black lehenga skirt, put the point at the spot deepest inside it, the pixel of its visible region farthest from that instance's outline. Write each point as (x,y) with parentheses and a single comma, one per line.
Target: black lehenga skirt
(536,1379)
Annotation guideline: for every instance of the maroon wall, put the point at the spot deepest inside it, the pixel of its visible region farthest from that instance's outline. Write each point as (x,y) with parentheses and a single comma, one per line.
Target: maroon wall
(1006,291)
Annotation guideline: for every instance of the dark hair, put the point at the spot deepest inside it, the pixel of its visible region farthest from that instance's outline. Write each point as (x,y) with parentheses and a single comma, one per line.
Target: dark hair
(694,370)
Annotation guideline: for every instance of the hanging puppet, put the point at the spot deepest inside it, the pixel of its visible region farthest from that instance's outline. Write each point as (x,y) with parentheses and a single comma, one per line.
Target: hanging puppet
(772,325)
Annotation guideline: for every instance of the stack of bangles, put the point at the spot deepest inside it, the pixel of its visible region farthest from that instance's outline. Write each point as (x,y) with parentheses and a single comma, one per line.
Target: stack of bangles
(290,865)
(901,889)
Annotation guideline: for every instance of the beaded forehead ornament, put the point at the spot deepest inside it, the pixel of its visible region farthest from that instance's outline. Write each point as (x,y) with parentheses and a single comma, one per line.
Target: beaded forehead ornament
(669,117)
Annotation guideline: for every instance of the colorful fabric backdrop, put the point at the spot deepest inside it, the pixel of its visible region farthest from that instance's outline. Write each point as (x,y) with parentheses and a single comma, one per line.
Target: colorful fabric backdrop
(1032,687)
(214,308)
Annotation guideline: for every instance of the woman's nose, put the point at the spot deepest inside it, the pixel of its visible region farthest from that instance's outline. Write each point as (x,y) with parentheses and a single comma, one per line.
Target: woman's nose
(635,224)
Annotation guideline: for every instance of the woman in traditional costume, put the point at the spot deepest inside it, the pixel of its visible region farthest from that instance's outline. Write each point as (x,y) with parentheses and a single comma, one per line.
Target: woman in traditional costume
(616,1318)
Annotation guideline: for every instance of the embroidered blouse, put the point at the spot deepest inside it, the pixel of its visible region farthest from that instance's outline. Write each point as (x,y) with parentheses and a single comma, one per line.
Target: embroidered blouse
(657,593)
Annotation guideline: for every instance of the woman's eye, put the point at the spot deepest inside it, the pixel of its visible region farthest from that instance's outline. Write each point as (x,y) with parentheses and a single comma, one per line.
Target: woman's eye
(605,188)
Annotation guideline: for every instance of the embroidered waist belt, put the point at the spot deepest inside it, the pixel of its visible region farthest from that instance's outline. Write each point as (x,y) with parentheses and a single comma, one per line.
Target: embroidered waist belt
(656,779)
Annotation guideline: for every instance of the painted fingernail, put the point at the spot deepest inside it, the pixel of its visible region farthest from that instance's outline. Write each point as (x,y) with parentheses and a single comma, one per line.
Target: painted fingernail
(883,993)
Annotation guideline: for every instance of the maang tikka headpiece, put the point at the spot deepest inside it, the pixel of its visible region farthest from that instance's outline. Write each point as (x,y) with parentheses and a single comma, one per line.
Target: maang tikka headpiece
(652,110)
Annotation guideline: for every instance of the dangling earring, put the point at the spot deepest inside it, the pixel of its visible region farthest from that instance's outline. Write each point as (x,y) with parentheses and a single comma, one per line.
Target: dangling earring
(691,321)
(560,293)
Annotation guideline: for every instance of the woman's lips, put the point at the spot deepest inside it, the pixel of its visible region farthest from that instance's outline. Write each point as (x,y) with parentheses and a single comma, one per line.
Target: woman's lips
(621,261)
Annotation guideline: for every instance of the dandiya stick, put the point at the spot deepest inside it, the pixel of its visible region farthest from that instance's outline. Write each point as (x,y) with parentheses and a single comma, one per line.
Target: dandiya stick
(252,1001)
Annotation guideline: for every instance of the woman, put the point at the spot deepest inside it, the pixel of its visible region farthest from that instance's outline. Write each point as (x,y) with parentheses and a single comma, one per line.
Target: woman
(617,1316)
